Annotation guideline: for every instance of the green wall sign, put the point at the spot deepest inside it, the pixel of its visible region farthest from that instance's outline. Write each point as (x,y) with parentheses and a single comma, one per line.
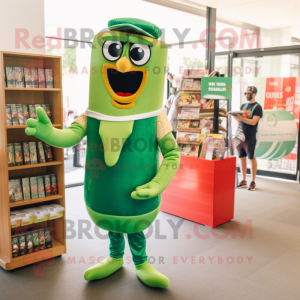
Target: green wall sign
(218,88)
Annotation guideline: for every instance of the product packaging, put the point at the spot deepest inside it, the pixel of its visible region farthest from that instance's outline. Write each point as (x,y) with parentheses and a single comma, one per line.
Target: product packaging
(28,78)
(18,154)
(25,113)
(41,74)
(53,184)
(36,106)
(41,188)
(29,243)
(15,245)
(19,77)
(22,244)
(48,152)
(26,153)
(35,240)
(10,77)
(14,113)
(48,240)
(20,113)
(11,189)
(34,187)
(47,181)
(32,112)
(33,153)
(18,190)
(26,188)
(11,155)
(8,115)
(42,239)
(41,152)
(35,77)
(48,111)
(49,78)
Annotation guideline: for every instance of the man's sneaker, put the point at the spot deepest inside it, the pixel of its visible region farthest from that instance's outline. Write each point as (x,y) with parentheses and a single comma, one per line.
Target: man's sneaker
(242,184)
(252,186)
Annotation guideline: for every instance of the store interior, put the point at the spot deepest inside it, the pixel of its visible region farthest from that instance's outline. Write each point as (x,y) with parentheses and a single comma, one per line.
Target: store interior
(211,239)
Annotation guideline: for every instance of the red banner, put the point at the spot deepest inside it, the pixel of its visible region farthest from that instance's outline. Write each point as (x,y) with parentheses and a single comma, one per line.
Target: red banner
(284,93)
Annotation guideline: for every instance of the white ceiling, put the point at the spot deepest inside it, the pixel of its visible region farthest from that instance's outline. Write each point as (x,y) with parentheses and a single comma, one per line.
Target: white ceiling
(267,14)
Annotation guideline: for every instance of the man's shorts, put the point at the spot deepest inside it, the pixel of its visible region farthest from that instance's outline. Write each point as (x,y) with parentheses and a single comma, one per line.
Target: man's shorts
(247,148)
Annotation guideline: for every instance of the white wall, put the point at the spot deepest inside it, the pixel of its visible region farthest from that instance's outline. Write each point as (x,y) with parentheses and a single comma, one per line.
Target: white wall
(28,15)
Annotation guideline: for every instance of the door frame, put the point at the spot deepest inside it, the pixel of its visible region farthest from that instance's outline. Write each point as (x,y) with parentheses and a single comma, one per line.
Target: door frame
(259,52)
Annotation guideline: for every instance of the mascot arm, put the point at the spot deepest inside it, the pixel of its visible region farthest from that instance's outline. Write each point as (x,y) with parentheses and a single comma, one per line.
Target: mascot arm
(166,171)
(43,129)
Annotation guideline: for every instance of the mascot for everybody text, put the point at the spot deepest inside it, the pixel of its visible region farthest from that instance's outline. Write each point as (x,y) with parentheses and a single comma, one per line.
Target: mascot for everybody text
(124,124)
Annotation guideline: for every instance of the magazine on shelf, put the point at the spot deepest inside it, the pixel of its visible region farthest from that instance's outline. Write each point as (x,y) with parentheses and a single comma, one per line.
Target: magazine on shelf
(19,77)
(195,73)
(29,83)
(190,137)
(188,150)
(189,99)
(35,77)
(188,113)
(191,84)
(10,77)
(8,115)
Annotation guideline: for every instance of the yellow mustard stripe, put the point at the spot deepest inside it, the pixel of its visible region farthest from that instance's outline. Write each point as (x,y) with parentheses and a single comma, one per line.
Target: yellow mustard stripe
(163,126)
(82,120)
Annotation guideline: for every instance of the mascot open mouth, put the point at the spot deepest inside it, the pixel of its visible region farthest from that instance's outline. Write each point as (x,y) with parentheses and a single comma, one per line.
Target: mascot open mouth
(124,88)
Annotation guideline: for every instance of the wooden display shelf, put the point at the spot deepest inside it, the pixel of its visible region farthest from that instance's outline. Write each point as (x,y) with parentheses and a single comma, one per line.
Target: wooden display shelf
(46,164)
(187,143)
(25,126)
(190,91)
(196,130)
(57,249)
(30,96)
(33,89)
(36,200)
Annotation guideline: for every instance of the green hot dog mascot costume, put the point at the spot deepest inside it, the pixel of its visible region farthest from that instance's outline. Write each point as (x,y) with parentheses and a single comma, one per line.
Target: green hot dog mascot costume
(124,124)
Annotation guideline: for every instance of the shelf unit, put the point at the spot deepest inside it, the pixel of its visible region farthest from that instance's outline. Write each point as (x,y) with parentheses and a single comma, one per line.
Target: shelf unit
(16,134)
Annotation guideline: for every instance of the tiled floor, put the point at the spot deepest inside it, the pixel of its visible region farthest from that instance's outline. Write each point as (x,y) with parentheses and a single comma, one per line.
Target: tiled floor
(263,262)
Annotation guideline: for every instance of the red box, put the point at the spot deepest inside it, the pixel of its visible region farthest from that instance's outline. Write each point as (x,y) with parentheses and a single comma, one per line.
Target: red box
(202,191)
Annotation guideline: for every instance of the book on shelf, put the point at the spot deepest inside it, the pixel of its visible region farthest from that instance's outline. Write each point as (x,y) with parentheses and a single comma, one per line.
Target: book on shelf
(11,155)
(47,181)
(41,75)
(49,78)
(26,188)
(33,153)
(48,152)
(18,154)
(29,82)
(26,153)
(184,137)
(32,112)
(33,188)
(41,187)
(41,152)
(10,77)
(19,77)
(35,77)
(8,115)
(20,114)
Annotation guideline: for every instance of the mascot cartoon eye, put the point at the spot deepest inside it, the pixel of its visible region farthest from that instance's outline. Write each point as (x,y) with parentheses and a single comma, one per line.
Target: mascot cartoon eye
(112,50)
(139,54)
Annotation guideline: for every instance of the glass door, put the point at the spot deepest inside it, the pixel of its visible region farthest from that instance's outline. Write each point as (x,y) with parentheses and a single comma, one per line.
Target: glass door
(277,79)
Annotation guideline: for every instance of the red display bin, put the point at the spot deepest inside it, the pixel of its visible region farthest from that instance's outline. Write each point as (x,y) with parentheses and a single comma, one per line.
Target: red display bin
(202,191)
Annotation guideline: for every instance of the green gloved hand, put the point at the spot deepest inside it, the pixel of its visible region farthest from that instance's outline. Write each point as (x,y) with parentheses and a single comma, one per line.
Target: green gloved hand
(44,130)
(41,128)
(166,171)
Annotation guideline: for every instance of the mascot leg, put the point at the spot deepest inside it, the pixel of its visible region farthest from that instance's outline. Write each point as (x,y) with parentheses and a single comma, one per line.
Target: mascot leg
(143,269)
(112,263)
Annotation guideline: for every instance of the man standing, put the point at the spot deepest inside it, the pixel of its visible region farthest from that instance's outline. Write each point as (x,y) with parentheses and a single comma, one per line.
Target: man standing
(249,122)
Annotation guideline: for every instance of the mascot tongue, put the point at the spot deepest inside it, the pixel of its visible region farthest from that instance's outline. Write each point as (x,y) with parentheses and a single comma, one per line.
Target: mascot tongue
(114,134)
(123,95)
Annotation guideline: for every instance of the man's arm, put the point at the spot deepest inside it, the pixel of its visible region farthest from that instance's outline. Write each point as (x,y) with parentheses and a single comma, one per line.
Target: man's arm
(252,121)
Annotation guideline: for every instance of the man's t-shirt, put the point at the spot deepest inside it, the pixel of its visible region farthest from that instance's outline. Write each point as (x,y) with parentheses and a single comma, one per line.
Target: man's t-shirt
(250,130)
